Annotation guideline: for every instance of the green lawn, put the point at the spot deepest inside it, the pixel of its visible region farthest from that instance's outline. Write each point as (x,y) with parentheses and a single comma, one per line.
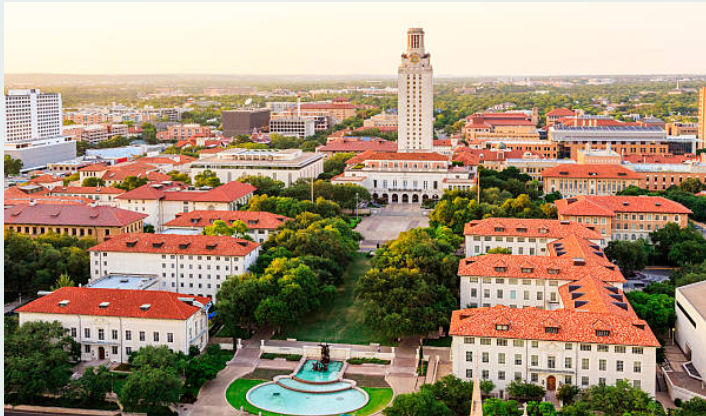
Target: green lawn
(379,398)
(343,319)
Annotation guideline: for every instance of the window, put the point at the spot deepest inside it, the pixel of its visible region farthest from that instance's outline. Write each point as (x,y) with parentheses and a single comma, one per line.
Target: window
(637,384)
(568,346)
(551,362)
(87,348)
(101,334)
(114,350)
(601,381)
(518,343)
(469,340)
(128,335)
(518,375)
(501,375)
(469,373)
(170,337)
(534,377)
(584,364)
(637,367)
(535,344)
(585,347)
(619,366)
(637,350)
(114,334)
(486,357)
(86,332)
(501,358)
(518,359)
(73,332)
(155,336)
(485,341)
(128,350)
(142,335)
(584,381)
(602,348)
(602,365)
(535,360)
(620,349)
(501,342)
(486,374)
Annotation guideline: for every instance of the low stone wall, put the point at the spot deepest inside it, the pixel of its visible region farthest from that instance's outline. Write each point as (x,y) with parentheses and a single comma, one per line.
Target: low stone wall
(676,392)
(313,352)
(62,410)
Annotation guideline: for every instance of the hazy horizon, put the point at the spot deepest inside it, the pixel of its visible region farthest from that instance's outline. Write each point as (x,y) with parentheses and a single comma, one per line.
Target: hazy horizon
(353,39)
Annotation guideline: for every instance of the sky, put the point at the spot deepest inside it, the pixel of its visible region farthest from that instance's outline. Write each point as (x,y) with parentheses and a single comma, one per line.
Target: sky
(464,39)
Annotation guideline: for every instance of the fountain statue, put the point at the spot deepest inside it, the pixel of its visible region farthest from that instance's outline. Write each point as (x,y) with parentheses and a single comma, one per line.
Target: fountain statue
(322,364)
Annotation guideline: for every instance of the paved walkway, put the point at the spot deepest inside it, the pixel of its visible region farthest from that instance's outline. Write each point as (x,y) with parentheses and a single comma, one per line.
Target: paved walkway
(387,223)
(212,398)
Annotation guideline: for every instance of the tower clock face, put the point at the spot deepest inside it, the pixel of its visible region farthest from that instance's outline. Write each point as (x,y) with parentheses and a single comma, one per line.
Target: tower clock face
(414,58)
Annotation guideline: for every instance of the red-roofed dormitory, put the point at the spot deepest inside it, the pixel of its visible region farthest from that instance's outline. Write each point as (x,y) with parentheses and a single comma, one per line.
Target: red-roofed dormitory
(551,313)
(110,324)
(194,265)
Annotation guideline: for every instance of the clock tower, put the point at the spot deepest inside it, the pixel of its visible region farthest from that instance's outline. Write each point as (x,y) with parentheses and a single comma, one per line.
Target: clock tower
(415,99)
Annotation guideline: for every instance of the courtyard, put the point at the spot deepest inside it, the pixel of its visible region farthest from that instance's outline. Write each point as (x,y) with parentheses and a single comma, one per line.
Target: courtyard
(387,223)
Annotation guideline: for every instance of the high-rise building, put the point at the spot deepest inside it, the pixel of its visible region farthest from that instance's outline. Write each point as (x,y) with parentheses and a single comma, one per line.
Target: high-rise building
(702,118)
(32,130)
(243,121)
(415,96)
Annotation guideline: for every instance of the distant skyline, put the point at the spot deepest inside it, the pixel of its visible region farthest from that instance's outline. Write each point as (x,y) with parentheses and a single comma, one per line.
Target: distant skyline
(339,39)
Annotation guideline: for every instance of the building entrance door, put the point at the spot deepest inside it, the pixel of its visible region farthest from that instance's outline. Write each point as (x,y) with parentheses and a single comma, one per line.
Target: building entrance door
(101,353)
(551,383)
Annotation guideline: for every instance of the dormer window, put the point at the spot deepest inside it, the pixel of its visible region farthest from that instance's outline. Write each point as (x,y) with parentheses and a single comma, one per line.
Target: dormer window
(211,246)
(553,270)
(526,270)
(500,269)
(502,327)
(602,333)
(551,330)
(131,243)
(499,229)
(184,246)
(521,229)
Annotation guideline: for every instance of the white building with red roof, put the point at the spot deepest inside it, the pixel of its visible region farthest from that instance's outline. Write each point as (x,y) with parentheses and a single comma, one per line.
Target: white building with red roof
(260,224)
(557,114)
(163,201)
(194,265)
(101,195)
(623,217)
(572,180)
(110,324)
(352,144)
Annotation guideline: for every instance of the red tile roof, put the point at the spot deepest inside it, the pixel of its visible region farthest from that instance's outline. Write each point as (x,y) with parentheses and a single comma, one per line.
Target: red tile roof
(47,199)
(167,160)
(589,294)
(216,245)
(533,228)
(610,205)
(561,112)
(590,171)
(122,302)
(80,215)
(92,190)
(574,247)
(351,144)
(536,267)
(380,128)
(253,219)
(228,192)
(529,324)
(474,157)
(17,192)
(46,178)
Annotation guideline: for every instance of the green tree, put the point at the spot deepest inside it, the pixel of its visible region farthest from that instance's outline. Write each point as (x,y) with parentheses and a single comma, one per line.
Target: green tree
(38,359)
(63,281)
(497,407)
(335,164)
(93,181)
(264,184)
(149,133)
(692,185)
(540,409)
(417,404)
(499,250)
(207,178)
(71,178)
(93,385)
(237,230)
(630,256)
(179,177)
(156,357)
(656,309)
(619,400)
(567,393)
(524,391)
(12,166)
(131,182)
(150,387)
(693,407)
(453,392)
(674,245)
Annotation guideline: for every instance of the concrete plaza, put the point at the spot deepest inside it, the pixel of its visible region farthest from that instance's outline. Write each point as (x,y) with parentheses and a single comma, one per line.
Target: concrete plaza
(387,223)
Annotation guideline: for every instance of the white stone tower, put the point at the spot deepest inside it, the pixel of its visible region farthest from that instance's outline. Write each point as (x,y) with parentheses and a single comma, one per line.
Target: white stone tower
(415,100)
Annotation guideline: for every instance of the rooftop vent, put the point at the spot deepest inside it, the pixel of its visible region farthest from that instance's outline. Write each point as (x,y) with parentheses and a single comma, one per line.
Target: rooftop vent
(612,289)
(626,203)
(211,246)
(145,307)
(579,261)
(622,174)
(243,243)
(619,298)
(184,246)
(576,295)
(621,305)
(132,243)
(573,287)
(158,244)
(104,305)
(124,280)
(579,303)
(658,204)
(64,303)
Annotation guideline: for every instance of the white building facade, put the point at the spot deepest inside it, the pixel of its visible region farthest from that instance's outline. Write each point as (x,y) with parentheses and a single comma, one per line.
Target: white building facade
(415,96)
(111,324)
(194,265)
(32,128)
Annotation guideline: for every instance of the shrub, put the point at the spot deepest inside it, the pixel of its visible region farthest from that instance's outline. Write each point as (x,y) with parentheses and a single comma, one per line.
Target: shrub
(359,361)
